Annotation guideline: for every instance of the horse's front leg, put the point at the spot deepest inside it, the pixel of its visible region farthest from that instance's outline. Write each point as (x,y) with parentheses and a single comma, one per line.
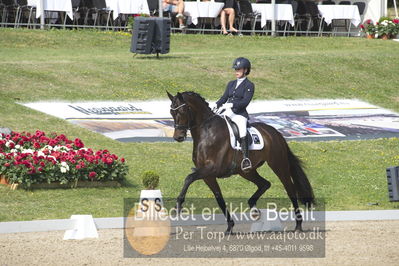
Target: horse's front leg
(214,186)
(187,182)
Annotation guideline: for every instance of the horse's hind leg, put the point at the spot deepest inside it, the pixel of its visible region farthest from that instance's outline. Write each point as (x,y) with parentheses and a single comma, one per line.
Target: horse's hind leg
(214,186)
(283,173)
(260,182)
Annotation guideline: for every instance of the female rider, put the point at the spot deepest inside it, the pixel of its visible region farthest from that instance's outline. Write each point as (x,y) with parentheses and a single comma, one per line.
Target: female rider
(237,96)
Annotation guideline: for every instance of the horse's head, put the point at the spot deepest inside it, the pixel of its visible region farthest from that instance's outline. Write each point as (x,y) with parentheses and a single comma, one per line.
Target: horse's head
(180,112)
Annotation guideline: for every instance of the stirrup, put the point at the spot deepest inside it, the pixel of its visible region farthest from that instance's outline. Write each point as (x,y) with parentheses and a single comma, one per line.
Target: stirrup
(248,167)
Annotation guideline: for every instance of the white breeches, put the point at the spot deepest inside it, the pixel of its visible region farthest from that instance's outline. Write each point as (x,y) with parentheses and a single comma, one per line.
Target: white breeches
(241,121)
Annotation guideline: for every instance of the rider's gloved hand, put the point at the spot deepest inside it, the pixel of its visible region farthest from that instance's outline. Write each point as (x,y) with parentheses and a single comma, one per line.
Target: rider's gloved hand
(228,105)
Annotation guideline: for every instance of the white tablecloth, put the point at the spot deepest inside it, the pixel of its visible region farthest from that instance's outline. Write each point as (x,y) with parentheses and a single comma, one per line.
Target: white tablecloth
(283,12)
(128,7)
(330,12)
(197,10)
(53,5)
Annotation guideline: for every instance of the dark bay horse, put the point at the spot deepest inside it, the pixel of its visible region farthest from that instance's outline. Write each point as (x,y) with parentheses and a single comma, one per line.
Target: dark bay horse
(213,155)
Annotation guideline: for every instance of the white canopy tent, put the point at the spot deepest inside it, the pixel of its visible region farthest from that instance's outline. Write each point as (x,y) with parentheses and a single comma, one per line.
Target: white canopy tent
(396,8)
(374,10)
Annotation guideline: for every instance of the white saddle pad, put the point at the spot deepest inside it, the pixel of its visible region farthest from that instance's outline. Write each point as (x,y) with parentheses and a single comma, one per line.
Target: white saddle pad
(257,140)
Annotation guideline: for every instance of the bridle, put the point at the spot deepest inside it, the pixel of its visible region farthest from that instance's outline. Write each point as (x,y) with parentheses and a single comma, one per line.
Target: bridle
(184,127)
(174,109)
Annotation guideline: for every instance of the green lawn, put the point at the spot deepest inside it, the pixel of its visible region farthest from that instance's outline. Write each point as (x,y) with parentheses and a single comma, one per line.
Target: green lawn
(90,65)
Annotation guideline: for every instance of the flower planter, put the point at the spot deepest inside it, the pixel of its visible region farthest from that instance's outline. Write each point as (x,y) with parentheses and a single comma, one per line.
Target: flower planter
(150,194)
(386,37)
(37,158)
(55,185)
(3,180)
(79,184)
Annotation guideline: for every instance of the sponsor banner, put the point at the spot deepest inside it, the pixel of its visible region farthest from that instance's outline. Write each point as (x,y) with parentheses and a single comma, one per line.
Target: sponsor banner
(103,110)
(322,119)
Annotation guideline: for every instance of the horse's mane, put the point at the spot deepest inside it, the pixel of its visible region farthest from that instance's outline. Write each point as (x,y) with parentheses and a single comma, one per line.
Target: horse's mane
(197,95)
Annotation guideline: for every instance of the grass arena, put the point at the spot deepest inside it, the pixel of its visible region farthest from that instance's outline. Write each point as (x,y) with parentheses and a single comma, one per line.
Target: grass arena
(84,65)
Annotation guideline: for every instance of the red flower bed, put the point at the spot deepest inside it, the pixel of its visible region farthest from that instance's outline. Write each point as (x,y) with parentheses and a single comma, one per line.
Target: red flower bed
(27,159)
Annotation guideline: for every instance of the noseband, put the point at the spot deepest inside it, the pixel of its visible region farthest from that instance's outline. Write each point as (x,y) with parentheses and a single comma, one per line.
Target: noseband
(184,127)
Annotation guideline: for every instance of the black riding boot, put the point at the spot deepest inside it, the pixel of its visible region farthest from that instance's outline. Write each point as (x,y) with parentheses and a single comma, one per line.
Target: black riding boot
(246,163)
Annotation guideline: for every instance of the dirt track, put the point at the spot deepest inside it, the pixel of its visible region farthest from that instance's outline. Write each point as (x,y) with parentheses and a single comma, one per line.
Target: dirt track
(350,243)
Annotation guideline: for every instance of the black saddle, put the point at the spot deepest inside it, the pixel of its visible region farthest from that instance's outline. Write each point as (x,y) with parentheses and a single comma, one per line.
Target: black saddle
(236,133)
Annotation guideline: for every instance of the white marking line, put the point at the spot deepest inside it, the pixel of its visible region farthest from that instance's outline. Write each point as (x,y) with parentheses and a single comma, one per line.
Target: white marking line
(118,222)
(332,216)
(36,226)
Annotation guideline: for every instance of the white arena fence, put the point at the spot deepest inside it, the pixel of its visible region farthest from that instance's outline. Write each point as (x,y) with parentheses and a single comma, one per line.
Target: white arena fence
(118,222)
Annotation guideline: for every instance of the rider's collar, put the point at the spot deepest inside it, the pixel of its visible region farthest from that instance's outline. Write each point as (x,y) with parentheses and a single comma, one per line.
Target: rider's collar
(239,81)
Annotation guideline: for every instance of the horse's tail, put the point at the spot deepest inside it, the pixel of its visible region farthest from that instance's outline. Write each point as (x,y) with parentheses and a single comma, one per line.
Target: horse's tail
(301,181)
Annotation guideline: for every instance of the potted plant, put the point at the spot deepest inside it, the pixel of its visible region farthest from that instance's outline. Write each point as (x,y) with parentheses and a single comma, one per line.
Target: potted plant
(369,29)
(387,28)
(150,181)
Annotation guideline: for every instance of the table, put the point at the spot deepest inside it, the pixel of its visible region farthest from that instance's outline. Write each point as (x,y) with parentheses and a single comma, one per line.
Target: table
(127,7)
(282,12)
(330,12)
(53,5)
(197,10)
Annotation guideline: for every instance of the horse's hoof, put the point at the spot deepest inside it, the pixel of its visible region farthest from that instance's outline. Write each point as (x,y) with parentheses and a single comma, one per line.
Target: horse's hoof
(229,230)
(255,213)
(298,229)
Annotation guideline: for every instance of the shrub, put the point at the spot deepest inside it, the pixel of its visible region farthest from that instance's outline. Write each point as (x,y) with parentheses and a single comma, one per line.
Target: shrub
(150,180)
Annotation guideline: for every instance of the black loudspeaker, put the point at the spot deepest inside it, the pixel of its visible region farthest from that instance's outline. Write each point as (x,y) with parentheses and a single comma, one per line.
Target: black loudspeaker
(151,35)
(162,35)
(393,183)
(143,34)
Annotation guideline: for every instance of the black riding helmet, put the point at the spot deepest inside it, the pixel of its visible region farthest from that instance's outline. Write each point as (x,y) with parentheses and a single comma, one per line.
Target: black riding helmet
(242,62)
